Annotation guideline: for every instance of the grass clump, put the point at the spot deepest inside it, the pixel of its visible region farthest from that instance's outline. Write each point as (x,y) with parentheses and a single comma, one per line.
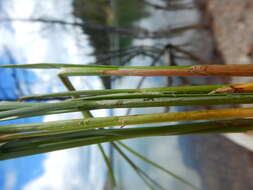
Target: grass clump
(28,139)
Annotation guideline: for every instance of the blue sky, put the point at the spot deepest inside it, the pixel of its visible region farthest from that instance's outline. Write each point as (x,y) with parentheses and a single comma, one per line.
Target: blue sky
(30,43)
(78,168)
(15,173)
(12,171)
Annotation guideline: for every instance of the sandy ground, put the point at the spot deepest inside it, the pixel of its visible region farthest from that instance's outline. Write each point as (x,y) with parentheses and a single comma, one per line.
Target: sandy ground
(221,163)
(232,25)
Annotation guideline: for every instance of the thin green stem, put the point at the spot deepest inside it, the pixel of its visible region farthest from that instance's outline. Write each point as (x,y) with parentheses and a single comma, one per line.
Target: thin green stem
(145,159)
(35,145)
(83,104)
(196,70)
(87,114)
(203,89)
(101,122)
(102,70)
(108,164)
(70,87)
(87,66)
(137,169)
(5,105)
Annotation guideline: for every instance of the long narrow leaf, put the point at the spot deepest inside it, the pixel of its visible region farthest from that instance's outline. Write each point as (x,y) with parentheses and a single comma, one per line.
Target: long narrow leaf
(93,123)
(85,104)
(172,90)
(196,70)
(145,159)
(35,145)
(149,182)
(108,164)
(87,114)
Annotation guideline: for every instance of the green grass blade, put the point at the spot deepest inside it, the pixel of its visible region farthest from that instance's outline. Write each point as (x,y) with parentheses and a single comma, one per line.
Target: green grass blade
(145,159)
(54,66)
(67,126)
(87,114)
(6,105)
(84,104)
(36,145)
(83,66)
(103,70)
(40,66)
(137,169)
(169,90)
(108,164)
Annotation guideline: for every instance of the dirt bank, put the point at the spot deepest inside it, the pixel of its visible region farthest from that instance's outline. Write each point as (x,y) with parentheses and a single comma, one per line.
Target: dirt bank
(232,26)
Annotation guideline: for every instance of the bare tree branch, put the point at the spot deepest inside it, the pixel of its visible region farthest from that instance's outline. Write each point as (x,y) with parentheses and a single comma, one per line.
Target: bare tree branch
(132,32)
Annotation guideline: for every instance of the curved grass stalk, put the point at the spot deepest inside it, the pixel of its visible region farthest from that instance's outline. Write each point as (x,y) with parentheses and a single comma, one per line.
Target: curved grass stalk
(154,164)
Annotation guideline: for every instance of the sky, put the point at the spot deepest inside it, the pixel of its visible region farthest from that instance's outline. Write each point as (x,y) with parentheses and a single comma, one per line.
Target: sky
(34,43)
(78,168)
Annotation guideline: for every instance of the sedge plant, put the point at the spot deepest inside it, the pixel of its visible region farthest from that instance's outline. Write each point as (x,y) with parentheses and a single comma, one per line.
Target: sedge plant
(28,139)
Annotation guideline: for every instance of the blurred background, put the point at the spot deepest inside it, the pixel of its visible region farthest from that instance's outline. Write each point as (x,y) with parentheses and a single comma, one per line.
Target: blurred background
(118,32)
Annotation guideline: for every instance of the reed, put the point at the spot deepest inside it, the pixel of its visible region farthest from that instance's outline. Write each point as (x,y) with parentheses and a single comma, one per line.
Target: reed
(27,139)
(103,70)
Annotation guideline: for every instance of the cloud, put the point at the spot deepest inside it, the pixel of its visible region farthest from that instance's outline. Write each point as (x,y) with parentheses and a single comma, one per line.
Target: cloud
(79,168)
(61,172)
(10,180)
(70,169)
(37,42)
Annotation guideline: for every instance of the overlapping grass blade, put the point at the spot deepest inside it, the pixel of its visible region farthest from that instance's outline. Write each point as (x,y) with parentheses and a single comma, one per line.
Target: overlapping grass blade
(150,100)
(169,90)
(145,159)
(108,164)
(151,183)
(100,122)
(82,66)
(195,70)
(87,114)
(28,139)
(53,66)
(6,105)
(35,145)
